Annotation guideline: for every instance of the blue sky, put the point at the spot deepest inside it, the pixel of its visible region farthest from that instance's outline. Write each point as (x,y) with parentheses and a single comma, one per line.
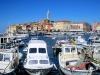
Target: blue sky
(23,11)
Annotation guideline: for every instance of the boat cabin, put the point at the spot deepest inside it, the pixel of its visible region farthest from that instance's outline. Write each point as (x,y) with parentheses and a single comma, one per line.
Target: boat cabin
(7,58)
(6,45)
(69,51)
(4,40)
(36,47)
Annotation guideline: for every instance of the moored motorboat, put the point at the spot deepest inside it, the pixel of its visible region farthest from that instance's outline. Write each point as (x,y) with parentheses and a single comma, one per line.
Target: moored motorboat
(37,61)
(9,59)
(72,62)
(80,41)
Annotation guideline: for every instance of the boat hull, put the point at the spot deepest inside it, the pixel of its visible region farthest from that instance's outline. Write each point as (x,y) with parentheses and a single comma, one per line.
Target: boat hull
(38,71)
(12,72)
(68,71)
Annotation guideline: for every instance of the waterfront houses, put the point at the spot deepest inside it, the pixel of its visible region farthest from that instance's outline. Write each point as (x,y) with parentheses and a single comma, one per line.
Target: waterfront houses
(96,26)
(26,27)
(61,25)
(14,28)
(80,27)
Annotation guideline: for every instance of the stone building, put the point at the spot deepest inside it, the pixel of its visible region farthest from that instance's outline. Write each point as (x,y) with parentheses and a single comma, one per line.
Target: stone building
(80,27)
(61,25)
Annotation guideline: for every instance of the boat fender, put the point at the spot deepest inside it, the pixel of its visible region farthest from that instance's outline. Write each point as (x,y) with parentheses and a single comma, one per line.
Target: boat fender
(90,65)
(71,69)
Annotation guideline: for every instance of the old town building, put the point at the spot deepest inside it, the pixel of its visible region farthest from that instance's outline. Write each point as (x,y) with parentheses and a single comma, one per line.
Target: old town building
(80,27)
(14,28)
(61,25)
(96,26)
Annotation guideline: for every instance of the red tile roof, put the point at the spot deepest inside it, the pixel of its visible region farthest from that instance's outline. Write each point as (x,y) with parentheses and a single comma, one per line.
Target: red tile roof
(79,22)
(24,25)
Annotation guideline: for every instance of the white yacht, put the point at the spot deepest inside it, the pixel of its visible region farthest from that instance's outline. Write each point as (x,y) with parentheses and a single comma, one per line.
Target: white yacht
(37,61)
(80,41)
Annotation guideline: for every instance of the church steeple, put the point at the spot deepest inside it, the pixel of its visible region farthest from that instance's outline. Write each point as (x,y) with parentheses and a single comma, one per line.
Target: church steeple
(48,15)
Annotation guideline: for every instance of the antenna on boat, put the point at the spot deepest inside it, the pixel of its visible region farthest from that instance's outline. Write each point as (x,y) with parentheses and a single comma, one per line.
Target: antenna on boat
(9,29)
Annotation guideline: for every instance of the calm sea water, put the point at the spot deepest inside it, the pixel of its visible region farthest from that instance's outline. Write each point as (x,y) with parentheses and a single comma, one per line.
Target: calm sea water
(50,42)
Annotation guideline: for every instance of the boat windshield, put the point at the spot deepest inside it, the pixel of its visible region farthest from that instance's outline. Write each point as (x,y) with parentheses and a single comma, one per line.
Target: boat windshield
(4,57)
(73,49)
(43,61)
(8,45)
(67,50)
(33,50)
(33,62)
(1,57)
(0,46)
(5,46)
(42,50)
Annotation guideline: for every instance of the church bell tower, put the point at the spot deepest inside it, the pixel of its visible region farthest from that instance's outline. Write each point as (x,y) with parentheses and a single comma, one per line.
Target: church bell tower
(48,15)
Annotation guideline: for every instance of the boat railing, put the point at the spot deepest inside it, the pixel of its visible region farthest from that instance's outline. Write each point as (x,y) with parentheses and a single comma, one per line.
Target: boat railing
(10,63)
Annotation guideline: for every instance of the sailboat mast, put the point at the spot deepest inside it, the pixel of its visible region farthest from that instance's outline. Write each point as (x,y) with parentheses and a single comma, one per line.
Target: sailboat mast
(9,28)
